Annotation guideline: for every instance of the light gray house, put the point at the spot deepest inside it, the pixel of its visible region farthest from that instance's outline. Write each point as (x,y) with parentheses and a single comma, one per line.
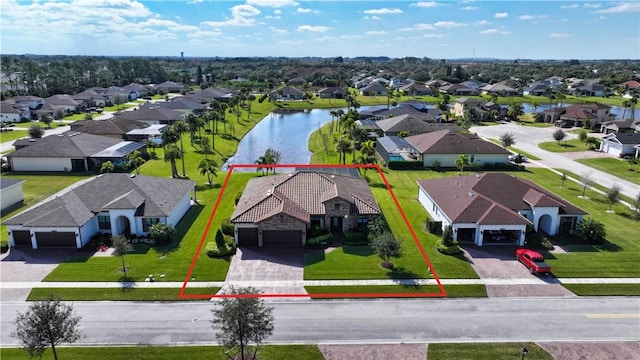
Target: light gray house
(10,192)
(620,144)
(108,203)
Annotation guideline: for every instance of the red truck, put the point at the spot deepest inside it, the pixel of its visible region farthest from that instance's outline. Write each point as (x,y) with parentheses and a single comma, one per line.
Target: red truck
(533,260)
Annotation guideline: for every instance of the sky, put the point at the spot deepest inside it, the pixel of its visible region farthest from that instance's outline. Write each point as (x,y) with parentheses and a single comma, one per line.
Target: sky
(435,29)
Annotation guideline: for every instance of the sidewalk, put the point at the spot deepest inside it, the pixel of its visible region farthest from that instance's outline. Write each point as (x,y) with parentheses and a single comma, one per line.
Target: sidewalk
(259,284)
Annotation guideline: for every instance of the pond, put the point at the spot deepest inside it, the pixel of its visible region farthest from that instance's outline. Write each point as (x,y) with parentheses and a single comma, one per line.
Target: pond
(286,132)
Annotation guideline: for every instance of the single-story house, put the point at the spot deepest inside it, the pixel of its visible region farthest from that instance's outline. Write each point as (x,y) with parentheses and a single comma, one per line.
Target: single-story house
(415,89)
(619,126)
(108,203)
(93,98)
(495,208)
(297,81)
(620,144)
(591,89)
(10,192)
(136,90)
(33,102)
(66,103)
(278,210)
(500,88)
(114,127)
(13,112)
(168,87)
(374,89)
(332,92)
(153,115)
(446,146)
(403,123)
(150,133)
(205,96)
(287,93)
(458,90)
(395,148)
(70,151)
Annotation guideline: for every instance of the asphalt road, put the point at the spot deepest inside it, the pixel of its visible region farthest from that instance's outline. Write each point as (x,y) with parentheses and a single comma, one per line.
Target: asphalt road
(364,321)
(527,139)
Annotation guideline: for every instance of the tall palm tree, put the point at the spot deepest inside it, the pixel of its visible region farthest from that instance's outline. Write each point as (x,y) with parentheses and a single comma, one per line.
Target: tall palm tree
(171,153)
(250,98)
(135,159)
(633,101)
(208,167)
(357,133)
(462,162)
(515,110)
(343,147)
(192,125)
(180,127)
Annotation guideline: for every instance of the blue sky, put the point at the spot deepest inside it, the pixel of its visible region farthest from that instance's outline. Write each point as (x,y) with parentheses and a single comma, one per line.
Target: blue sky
(443,29)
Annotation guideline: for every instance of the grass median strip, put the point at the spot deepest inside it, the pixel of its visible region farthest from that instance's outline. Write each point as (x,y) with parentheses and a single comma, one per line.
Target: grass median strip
(117,294)
(616,167)
(604,289)
(452,290)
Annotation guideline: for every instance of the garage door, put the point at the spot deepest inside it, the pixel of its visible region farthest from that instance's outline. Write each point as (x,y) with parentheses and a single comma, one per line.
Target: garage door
(56,239)
(22,238)
(248,237)
(290,238)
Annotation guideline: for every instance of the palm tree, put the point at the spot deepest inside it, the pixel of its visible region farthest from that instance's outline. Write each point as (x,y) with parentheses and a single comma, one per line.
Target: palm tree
(107,167)
(515,110)
(534,104)
(625,104)
(251,98)
(208,167)
(261,161)
(462,162)
(192,125)
(357,133)
(633,101)
(180,127)
(171,153)
(135,159)
(343,147)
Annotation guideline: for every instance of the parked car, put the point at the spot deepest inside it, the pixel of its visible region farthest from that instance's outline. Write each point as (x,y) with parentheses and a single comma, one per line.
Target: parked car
(518,158)
(534,261)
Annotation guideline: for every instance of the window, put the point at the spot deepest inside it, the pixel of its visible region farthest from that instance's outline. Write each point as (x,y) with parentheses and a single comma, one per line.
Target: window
(473,158)
(148,222)
(363,220)
(104,222)
(336,206)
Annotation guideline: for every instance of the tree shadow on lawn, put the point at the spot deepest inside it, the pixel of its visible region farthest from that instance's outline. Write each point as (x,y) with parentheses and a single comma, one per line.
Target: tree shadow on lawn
(401,273)
(363,250)
(183,227)
(315,257)
(380,185)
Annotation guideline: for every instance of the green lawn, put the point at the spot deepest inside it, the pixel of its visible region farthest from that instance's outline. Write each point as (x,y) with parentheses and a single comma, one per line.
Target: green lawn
(117,294)
(604,289)
(529,120)
(615,167)
(265,352)
(121,107)
(80,116)
(595,186)
(516,150)
(451,290)
(17,133)
(572,145)
(485,351)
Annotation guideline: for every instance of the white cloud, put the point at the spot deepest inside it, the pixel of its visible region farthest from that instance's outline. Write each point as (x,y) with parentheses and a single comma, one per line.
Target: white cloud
(241,15)
(501,15)
(448,24)
(372,17)
(272,17)
(421,26)
(592,6)
(559,35)
(307,11)
(495,31)
(272,3)
(383,11)
(376,32)
(425,4)
(311,28)
(195,1)
(469,8)
(570,6)
(624,7)
(434,35)
(277,11)
(532,17)
(278,31)
(482,22)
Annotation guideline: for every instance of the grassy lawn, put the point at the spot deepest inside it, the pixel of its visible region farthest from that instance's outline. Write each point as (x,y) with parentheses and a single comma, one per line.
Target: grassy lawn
(17,133)
(485,351)
(615,167)
(516,150)
(572,145)
(265,352)
(618,257)
(80,116)
(595,186)
(529,120)
(121,107)
(116,294)
(604,289)
(451,290)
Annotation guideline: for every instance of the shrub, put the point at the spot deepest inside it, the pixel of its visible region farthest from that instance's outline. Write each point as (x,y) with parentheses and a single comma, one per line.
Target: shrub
(405,165)
(591,231)
(447,235)
(436,165)
(355,238)
(227,227)
(214,251)
(4,246)
(314,232)
(539,241)
(433,227)
(452,249)
(162,233)
(320,241)
(220,243)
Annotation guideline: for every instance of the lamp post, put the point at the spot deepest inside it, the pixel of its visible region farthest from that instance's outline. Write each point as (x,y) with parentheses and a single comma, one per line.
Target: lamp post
(524,352)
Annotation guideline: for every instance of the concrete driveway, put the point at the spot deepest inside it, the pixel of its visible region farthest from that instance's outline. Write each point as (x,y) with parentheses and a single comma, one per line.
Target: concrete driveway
(499,262)
(262,268)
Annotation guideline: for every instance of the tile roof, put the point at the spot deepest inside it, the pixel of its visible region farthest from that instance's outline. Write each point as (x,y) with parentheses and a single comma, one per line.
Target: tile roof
(491,198)
(300,195)
(448,142)
(74,206)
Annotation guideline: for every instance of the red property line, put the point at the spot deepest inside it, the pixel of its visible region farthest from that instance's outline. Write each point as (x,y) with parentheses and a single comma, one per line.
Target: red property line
(182,294)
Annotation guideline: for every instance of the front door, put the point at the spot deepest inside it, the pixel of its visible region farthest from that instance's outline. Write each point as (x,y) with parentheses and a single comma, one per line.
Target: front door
(336,224)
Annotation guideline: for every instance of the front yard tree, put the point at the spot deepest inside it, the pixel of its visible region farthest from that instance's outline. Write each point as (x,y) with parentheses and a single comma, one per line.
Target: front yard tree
(208,167)
(515,110)
(591,231)
(387,247)
(242,320)
(36,131)
(46,119)
(563,178)
(58,115)
(180,127)
(162,233)
(462,162)
(171,153)
(121,247)
(119,100)
(46,323)
(586,182)
(559,135)
(612,195)
(507,139)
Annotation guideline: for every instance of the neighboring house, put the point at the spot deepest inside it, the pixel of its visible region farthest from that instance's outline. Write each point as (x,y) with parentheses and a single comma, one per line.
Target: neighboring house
(93,98)
(108,203)
(297,81)
(205,96)
(278,210)
(394,148)
(591,89)
(474,84)
(137,90)
(287,93)
(415,89)
(500,88)
(180,103)
(153,115)
(332,92)
(619,126)
(150,133)
(620,144)
(437,83)
(495,208)
(409,124)
(446,146)
(168,87)
(114,127)
(10,192)
(70,151)
(374,89)
(458,90)
(13,112)
(538,88)
(577,115)
(461,105)
(415,110)
(33,102)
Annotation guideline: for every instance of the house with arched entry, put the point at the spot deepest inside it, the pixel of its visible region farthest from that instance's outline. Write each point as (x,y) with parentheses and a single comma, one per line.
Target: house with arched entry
(108,203)
(496,208)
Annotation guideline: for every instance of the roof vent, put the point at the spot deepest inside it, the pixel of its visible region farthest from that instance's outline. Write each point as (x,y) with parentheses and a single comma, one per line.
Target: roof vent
(132,176)
(470,194)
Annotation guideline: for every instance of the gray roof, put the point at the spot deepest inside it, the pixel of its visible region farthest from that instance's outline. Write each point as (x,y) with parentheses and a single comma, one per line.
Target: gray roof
(74,206)
(111,126)
(67,144)
(5,183)
(151,114)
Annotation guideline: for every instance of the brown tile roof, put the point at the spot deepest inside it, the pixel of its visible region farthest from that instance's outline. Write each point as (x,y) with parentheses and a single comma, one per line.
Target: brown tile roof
(448,142)
(492,198)
(300,195)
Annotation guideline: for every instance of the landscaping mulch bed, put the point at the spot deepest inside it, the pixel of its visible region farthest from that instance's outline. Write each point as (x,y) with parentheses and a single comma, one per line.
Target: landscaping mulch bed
(593,350)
